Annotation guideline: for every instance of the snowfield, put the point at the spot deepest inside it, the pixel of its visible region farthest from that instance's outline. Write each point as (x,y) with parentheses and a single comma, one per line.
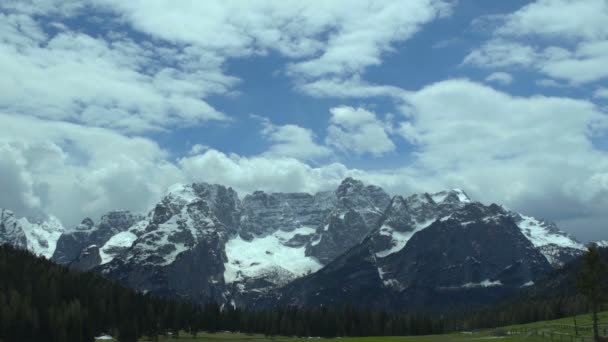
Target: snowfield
(262,255)
(120,240)
(42,237)
(399,239)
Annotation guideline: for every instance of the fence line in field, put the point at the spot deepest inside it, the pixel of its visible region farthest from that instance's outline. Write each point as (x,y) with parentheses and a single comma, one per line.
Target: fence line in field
(559,336)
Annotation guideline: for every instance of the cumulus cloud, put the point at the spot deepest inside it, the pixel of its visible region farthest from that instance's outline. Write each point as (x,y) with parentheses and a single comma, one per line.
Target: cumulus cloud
(163,79)
(549,83)
(73,171)
(111,82)
(292,141)
(501,53)
(500,78)
(358,130)
(532,153)
(559,18)
(352,87)
(577,59)
(73,104)
(326,39)
(601,93)
(247,174)
(198,149)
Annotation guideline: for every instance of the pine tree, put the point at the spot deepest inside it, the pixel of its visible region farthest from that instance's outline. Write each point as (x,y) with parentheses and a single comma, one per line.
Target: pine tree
(591,282)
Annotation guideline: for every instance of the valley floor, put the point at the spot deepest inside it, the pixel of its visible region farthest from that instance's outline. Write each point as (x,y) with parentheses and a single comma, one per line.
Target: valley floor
(228,337)
(561,330)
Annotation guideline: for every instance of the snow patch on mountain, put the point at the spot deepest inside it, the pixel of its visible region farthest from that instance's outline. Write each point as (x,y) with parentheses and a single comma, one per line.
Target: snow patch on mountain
(250,259)
(603,243)
(40,237)
(180,233)
(539,234)
(547,238)
(118,241)
(181,194)
(399,239)
(462,196)
(485,283)
(441,196)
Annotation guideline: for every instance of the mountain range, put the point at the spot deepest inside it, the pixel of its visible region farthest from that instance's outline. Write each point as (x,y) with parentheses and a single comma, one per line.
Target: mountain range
(356,244)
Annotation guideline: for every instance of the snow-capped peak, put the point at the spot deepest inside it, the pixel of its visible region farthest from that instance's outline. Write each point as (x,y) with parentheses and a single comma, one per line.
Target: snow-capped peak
(181,193)
(462,196)
(602,243)
(549,239)
(542,233)
(39,237)
(451,195)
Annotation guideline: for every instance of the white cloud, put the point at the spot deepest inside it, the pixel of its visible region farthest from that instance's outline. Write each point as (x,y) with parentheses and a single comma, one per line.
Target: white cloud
(547,82)
(500,78)
(535,153)
(73,171)
(583,65)
(17,186)
(532,153)
(292,141)
(269,173)
(347,88)
(163,79)
(501,53)
(578,57)
(198,149)
(601,93)
(365,31)
(559,18)
(327,39)
(358,130)
(114,83)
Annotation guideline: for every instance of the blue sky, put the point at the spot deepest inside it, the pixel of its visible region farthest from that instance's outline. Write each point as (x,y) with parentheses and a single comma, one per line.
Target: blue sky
(105,103)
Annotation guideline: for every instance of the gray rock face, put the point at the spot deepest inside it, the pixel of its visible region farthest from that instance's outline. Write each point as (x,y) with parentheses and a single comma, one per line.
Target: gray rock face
(475,254)
(11,231)
(267,213)
(557,246)
(477,246)
(71,244)
(405,216)
(351,278)
(179,249)
(40,237)
(87,259)
(201,242)
(357,212)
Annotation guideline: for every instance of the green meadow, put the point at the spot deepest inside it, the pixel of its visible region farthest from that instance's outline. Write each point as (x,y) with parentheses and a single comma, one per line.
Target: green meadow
(558,330)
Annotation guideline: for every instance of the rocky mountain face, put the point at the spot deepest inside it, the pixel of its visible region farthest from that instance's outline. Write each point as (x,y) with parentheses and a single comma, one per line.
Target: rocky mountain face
(38,237)
(354,244)
(178,249)
(356,212)
(87,234)
(475,253)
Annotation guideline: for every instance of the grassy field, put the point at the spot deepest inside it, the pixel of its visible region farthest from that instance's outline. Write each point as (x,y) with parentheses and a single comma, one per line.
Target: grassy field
(463,337)
(560,326)
(566,325)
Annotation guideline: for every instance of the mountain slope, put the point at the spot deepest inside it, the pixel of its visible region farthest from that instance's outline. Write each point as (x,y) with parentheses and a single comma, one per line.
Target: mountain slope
(71,244)
(476,254)
(40,237)
(202,242)
(179,249)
